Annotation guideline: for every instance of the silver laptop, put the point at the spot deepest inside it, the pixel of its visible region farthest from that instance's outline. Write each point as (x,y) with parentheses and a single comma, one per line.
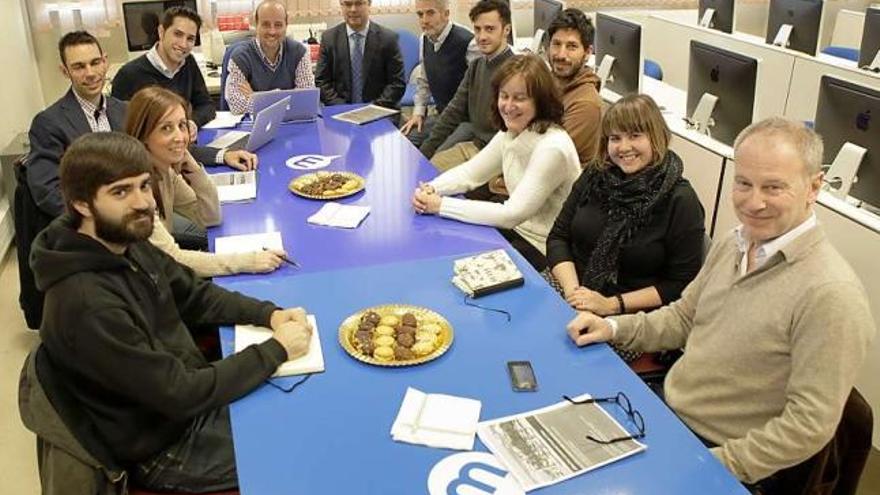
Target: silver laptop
(265,127)
(305,103)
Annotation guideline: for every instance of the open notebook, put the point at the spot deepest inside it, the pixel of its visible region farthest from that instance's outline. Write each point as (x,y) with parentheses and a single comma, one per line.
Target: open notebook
(312,362)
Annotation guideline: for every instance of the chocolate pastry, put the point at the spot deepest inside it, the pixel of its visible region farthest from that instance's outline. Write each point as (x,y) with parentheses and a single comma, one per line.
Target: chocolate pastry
(409,320)
(403,354)
(406,339)
(405,329)
(371,317)
(367,348)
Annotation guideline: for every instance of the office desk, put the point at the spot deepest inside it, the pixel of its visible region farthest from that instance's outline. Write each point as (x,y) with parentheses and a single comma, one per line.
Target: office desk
(332,434)
(392,168)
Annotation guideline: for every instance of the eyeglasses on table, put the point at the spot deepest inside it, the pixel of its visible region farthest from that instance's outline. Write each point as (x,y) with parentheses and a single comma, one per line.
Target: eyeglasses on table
(623,401)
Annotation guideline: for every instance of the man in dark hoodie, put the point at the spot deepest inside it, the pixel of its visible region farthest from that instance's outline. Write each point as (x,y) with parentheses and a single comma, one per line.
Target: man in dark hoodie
(115,325)
(571,43)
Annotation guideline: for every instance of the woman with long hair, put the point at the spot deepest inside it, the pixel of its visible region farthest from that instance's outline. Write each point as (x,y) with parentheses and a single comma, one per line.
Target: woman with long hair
(159,118)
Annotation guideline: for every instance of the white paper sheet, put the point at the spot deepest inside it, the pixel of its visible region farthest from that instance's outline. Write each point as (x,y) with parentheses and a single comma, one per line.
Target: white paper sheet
(312,362)
(248,243)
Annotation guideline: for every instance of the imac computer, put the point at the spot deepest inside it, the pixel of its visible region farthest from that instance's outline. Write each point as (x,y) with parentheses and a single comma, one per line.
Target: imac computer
(845,115)
(795,24)
(869,50)
(721,91)
(142,21)
(716,14)
(545,12)
(619,60)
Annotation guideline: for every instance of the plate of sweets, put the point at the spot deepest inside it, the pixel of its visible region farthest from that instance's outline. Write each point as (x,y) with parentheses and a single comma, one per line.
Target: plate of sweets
(327,185)
(395,335)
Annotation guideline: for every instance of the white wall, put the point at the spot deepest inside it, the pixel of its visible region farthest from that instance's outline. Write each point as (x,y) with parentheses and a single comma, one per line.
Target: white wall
(20,92)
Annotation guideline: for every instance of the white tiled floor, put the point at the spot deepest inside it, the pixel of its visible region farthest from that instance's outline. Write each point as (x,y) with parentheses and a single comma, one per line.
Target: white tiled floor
(18,456)
(18,459)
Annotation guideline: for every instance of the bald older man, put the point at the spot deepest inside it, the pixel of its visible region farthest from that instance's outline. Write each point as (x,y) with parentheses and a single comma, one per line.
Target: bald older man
(271,60)
(775,326)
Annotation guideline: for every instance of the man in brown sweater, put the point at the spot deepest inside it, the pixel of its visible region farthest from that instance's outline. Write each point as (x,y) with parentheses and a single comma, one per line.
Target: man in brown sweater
(571,43)
(775,326)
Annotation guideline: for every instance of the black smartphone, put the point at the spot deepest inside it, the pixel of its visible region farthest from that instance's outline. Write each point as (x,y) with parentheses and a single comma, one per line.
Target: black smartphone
(522,376)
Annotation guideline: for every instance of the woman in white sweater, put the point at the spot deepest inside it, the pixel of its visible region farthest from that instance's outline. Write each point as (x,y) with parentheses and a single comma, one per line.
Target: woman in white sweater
(537,158)
(159,118)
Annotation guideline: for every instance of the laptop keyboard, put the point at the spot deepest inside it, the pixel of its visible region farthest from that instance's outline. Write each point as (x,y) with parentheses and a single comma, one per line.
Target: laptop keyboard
(233,140)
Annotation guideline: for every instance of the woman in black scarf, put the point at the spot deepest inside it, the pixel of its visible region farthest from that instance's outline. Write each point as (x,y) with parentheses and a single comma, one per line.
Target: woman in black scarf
(630,235)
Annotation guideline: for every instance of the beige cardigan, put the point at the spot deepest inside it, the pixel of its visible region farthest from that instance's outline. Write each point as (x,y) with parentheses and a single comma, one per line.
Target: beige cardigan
(771,356)
(189,192)
(203,263)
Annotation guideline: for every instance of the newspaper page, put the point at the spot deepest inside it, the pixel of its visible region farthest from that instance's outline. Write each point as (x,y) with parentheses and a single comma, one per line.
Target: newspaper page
(365,114)
(549,445)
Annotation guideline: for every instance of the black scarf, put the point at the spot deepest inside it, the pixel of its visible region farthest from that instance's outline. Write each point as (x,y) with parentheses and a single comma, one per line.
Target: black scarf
(628,201)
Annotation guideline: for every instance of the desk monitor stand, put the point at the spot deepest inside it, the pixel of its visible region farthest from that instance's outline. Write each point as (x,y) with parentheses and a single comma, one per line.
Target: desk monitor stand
(706,20)
(875,65)
(701,120)
(604,70)
(783,35)
(844,169)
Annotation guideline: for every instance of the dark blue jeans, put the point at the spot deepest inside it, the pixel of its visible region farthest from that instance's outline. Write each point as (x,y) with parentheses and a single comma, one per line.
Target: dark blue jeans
(203,460)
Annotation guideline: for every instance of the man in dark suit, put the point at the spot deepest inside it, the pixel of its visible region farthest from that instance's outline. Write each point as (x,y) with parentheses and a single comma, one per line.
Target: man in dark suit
(360,60)
(83,109)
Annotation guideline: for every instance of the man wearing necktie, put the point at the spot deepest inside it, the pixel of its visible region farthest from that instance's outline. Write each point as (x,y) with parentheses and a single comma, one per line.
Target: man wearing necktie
(360,60)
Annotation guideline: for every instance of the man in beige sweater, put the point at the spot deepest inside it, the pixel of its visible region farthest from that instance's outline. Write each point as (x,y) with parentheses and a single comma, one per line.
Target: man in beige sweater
(776,325)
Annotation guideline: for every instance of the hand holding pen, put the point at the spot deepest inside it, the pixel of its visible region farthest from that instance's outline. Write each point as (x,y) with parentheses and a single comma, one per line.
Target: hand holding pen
(282,256)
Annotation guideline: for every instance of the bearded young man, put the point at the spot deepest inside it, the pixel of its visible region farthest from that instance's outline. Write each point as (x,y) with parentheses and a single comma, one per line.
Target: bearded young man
(115,330)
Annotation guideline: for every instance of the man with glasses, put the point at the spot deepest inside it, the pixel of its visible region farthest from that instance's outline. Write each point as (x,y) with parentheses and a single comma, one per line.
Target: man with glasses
(170,64)
(775,326)
(360,60)
(269,61)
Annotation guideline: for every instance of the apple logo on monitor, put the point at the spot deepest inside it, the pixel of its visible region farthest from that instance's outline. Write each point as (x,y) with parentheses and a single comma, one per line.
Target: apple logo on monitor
(863,120)
(715,74)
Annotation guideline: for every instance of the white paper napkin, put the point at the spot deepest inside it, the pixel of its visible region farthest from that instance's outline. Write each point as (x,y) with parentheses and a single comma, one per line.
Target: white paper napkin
(437,420)
(340,215)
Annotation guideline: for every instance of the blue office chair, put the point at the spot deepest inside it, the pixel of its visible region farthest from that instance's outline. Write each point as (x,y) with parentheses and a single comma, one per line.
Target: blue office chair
(409,48)
(653,70)
(224,71)
(842,52)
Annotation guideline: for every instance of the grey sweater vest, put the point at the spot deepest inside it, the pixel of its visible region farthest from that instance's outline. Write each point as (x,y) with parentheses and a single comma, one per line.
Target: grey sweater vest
(446,67)
(259,75)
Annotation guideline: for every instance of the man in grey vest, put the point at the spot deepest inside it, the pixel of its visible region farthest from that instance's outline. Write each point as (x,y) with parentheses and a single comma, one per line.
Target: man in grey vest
(271,60)
(445,49)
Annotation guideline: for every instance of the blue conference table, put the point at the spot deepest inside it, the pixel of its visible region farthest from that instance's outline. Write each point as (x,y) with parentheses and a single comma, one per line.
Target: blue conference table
(392,168)
(332,434)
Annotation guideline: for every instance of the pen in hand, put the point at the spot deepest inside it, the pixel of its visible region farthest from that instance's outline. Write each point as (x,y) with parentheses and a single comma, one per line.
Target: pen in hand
(285,259)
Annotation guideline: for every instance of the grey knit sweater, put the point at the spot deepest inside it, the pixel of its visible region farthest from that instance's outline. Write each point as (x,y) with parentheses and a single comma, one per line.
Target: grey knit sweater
(471,103)
(771,356)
